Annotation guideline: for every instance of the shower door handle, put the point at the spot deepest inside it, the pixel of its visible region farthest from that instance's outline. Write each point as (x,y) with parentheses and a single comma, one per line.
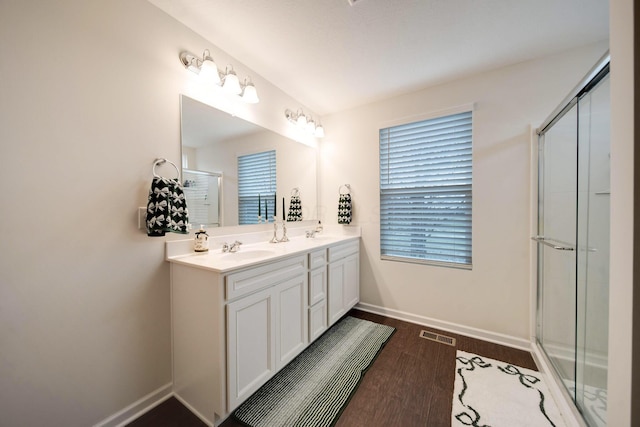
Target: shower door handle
(561,246)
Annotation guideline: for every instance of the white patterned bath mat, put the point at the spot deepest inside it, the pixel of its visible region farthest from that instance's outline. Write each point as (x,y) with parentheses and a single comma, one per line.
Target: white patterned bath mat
(490,393)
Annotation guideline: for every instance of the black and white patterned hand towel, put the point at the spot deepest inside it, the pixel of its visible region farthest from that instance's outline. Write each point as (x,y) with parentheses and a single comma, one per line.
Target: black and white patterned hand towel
(295,209)
(344,209)
(167,207)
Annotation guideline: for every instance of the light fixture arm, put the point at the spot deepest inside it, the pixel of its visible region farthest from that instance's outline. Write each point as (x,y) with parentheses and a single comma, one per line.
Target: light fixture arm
(290,115)
(191,62)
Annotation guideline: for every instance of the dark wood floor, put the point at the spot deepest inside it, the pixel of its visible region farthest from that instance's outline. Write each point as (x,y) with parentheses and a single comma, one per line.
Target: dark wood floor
(409,384)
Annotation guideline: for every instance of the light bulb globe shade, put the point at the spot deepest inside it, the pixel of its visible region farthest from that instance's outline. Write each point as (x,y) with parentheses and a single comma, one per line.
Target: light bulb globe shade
(311,126)
(231,83)
(209,71)
(302,121)
(250,95)
(319,133)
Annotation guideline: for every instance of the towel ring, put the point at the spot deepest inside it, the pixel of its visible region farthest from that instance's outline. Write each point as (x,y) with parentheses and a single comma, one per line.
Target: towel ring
(295,192)
(348,189)
(161,162)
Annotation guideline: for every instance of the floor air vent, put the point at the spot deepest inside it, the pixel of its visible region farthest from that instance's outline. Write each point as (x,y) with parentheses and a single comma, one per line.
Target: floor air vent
(438,338)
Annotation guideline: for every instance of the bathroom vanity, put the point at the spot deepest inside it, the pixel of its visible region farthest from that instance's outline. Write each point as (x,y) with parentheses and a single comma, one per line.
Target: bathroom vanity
(238,318)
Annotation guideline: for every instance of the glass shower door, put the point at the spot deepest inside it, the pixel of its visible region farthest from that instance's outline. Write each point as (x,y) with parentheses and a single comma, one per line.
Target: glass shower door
(557,221)
(573,246)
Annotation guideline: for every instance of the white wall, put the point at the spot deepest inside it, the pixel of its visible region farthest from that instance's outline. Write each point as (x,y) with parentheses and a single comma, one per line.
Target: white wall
(494,296)
(89,97)
(622,378)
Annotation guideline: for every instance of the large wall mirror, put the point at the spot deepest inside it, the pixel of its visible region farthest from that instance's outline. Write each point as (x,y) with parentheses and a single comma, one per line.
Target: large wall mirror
(213,141)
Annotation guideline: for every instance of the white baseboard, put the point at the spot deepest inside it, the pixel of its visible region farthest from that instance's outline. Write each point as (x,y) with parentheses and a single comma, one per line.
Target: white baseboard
(480,334)
(137,408)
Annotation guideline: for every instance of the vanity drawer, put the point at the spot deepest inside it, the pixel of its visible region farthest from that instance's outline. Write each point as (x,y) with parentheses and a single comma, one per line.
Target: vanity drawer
(343,250)
(251,280)
(317,258)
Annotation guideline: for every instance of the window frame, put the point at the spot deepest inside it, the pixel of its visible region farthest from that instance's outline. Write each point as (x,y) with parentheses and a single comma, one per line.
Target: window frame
(467,108)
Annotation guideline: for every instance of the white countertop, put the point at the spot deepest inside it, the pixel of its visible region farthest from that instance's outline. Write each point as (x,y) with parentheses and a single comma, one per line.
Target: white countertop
(257,253)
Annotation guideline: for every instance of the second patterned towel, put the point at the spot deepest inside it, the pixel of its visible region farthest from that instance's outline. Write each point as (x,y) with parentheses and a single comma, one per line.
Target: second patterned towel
(344,208)
(295,209)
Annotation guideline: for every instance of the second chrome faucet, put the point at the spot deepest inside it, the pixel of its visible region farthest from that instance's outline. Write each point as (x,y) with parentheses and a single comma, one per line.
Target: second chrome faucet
(231,247)
(312,233)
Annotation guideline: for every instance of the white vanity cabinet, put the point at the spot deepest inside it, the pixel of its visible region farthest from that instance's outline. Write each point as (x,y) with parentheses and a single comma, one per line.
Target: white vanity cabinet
(265,329)
(234,328)
(344,279)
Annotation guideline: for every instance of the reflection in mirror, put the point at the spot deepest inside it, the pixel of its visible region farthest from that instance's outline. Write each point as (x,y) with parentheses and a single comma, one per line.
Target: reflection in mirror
(212,143)
(202,192)
(256,187)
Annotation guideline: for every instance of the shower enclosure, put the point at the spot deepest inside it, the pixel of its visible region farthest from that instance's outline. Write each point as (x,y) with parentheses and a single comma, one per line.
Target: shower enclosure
(202,191)
(573,243)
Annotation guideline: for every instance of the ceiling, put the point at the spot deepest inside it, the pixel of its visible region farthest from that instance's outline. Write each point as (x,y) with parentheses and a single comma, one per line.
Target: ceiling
(332,56)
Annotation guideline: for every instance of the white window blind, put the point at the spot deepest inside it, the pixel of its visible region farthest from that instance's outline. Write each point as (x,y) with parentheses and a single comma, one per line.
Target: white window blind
(425,191)
(256,176)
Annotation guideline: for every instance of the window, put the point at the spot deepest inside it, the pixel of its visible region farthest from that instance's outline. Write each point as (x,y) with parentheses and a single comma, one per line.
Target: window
(425,191)
(256,179)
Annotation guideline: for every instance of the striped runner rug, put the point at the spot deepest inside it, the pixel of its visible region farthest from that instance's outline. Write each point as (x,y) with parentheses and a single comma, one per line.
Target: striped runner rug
(312,389)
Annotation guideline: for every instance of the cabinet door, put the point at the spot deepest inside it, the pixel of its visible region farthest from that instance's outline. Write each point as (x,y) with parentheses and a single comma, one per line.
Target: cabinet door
(317,320)
(292,324)
(343,286)
(336,291)
(317,285)
(351,281)
(250,345)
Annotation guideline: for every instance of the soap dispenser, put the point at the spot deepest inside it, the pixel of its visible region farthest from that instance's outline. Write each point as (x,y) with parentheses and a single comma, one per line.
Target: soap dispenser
(202,240)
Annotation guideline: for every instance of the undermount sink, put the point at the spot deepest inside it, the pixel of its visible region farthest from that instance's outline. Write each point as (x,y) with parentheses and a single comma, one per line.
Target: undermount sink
(243,255)
(320,237)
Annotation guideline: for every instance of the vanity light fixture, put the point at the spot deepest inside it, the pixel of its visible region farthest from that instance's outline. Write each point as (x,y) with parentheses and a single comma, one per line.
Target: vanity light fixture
(230,82)
(249,94)
(305,122)
(209,69)
(206,67)
(302,121)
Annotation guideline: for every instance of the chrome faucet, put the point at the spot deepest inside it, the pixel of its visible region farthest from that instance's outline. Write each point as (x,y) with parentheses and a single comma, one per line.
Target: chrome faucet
(234,247)
(310,234)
